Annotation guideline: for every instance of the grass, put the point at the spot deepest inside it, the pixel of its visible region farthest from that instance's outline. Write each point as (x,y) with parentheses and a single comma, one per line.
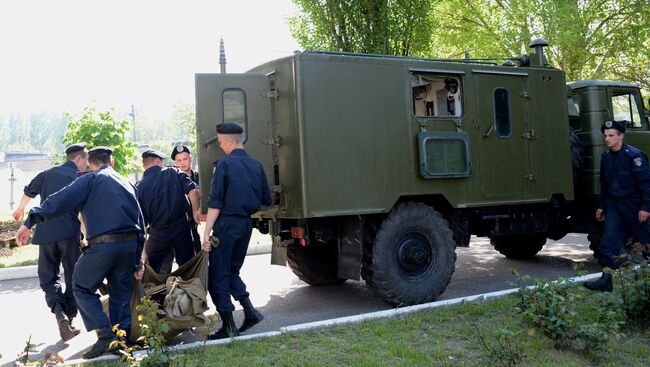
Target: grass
(25,255)
(441,337)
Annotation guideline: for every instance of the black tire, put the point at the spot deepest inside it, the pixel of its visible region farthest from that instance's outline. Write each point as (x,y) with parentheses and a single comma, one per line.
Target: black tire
(519,246)
(577,155)
(315,265)
(413,256)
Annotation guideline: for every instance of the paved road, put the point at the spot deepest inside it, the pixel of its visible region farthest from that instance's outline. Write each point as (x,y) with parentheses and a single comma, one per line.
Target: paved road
(285,300)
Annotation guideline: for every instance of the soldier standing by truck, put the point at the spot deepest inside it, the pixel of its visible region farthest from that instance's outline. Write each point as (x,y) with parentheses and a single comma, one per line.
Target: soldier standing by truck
(624,205)
(58,239)
(162,196)
(182,155)
(239,186)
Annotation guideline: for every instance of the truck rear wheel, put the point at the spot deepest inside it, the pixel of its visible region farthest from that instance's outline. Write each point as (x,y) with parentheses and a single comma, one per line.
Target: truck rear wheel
(315,265)
(522,246)
(413,256)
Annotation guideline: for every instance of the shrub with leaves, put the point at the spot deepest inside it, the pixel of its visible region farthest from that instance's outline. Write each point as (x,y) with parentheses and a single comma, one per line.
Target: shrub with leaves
(559,310)
(103,129)
(503,347)
(635,294)
(153,330)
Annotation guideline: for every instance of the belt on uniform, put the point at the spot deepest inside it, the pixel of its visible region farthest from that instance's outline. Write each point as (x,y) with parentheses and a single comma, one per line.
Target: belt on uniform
(115,237)
(182,219)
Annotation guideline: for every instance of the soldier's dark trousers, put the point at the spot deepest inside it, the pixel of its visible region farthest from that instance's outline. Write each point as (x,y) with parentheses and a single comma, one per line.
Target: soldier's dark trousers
(161,242)
(226,260)
(621,218)
(50,257)
(115,262)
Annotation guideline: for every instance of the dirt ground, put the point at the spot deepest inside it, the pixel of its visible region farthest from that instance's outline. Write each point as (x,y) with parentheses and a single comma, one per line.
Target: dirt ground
(7,236)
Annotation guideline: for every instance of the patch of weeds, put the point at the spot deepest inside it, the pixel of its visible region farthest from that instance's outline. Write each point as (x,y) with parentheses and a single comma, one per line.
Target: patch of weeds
(504,346)
(558,310)
(635,294)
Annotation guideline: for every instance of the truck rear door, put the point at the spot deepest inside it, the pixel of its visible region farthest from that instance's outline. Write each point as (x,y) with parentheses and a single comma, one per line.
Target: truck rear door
(503,141)
(245,99)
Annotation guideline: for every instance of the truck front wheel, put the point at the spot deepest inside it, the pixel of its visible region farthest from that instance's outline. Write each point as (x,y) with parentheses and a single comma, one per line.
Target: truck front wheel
(413,256)
(315,265)
(522,246)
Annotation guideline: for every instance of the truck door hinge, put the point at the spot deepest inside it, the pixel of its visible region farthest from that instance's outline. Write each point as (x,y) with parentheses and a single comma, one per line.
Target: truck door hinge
(423,125)
(273,94)
(273,141)
(529,135)
(524,94)
(531,177)
(276,189)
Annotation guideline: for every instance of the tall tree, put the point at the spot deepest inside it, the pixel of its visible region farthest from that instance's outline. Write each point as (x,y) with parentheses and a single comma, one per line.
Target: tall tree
(391,27)
(103,129)
(588,39)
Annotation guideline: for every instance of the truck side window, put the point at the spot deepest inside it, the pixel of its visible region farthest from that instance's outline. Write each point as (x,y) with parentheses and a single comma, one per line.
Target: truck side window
(234,108)
(502,113)
(625,109)
(436,95)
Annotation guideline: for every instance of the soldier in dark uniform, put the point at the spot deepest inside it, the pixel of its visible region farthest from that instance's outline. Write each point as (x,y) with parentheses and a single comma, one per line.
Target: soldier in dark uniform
(239,187)
(115,235)
(182,155)
(183,158)
(163,193)
(624,199)
(58,239)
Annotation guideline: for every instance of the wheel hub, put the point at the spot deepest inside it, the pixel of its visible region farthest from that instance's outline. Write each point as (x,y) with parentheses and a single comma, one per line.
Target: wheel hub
(414,255)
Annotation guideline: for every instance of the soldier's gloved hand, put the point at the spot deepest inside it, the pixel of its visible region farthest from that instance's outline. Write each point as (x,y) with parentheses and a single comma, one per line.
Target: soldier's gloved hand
(643,216)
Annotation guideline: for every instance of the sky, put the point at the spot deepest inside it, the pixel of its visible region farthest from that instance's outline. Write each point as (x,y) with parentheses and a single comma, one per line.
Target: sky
(67,54)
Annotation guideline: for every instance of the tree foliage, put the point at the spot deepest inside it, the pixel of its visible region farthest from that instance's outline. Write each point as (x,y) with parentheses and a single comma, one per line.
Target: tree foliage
(103,129)
(588,39)
(390,27)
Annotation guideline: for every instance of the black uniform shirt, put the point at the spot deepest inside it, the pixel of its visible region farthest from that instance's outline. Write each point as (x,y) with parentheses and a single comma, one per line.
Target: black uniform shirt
(625,176)
(161,193)
(107,200)
(239,185)
(45,184)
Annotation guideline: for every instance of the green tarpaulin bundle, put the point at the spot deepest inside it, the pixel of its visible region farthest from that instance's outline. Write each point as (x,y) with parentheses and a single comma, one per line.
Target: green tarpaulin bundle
(185,295)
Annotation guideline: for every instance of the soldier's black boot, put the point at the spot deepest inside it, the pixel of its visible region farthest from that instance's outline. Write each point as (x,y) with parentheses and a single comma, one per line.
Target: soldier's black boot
(103,345)
(603,284)
(251,315)
(66,331)
(228,327)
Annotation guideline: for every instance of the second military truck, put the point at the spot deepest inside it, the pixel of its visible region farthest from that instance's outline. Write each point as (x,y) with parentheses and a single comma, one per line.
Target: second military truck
(380,166)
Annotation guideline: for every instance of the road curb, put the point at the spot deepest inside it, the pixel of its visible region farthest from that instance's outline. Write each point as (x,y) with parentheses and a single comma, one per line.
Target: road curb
(31,271)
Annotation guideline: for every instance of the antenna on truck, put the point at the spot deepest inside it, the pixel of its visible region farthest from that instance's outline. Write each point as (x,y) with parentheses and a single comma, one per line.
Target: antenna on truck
(222,56)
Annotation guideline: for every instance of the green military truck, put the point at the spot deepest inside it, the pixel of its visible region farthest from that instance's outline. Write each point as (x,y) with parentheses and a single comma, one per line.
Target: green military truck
(380,166)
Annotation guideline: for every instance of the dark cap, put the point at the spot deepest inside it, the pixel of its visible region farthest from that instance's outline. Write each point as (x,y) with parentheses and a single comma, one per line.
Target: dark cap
(75,148)
(618,125)
(180,149)
(100,150)
(151,153)
(229,128)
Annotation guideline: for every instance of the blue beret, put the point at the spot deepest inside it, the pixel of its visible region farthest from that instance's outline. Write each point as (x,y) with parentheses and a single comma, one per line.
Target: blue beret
(618,125)
(152,153)
(75,148)
(100,150)
(180,149)
(229,128)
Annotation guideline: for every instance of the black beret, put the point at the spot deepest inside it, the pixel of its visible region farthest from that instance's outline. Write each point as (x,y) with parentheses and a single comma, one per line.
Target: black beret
(75,148)
(151,153)
(100,150)
(180,149)
(618,125)
(229,128)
